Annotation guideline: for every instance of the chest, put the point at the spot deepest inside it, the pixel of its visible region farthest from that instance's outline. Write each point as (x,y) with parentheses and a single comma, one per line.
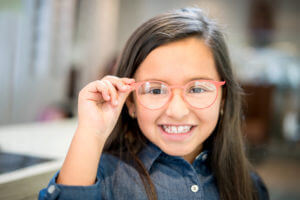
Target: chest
(171,182)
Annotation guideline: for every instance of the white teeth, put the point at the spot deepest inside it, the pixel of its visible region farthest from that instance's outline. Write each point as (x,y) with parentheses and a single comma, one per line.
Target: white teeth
(176,129)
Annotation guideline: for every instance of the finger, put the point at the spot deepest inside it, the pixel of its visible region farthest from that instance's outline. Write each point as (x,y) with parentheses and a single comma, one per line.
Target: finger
(128,80)
(97,97)
(124,79)
(102,88)
(112,92)
(118,83)
(123,96)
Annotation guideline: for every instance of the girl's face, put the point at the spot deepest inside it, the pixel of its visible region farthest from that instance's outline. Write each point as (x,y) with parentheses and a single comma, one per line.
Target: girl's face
(177,63)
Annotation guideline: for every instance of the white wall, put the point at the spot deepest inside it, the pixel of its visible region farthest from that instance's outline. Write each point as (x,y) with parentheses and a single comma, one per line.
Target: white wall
(96,37)
(8,29)
(37,40)
(37,50)
(233,14)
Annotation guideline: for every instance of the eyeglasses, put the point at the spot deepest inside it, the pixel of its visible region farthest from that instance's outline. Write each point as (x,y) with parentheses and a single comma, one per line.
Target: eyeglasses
(198,94)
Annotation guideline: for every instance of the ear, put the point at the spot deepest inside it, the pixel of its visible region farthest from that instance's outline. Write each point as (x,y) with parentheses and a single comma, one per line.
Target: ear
(130,105)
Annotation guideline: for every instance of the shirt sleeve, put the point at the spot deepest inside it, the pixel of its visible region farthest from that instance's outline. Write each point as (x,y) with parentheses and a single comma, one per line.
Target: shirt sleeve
(262,190)
(62,192)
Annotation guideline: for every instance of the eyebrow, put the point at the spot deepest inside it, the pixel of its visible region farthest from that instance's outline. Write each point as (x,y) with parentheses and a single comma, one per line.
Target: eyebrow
(201,78)
(192,79)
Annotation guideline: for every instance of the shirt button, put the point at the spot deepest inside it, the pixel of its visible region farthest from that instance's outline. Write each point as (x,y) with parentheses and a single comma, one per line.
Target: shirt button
(194,188)
(204,157)
(51,189)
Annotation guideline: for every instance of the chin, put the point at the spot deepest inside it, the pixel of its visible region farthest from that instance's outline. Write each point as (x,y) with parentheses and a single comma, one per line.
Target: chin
(176,150)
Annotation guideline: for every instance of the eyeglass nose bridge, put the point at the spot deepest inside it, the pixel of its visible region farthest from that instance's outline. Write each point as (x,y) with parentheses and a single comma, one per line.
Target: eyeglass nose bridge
(177,86)
(182,94)
(171,88)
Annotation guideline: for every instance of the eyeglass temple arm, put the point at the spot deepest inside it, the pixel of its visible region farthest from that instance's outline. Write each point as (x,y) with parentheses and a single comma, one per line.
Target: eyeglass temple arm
(220,83)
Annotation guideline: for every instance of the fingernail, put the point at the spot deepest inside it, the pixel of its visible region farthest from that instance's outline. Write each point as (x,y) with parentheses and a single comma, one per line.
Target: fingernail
(115,102)
(124,87)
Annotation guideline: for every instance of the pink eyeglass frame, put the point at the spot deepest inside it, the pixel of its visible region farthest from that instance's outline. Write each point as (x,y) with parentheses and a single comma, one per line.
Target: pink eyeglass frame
(136,85)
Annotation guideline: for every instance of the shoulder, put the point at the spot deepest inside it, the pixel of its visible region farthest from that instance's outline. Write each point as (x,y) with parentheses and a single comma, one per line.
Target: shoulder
(111,165)
(260,186)
(108,162)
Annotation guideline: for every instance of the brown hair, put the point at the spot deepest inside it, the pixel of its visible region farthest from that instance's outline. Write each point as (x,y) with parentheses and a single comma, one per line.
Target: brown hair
(228,161)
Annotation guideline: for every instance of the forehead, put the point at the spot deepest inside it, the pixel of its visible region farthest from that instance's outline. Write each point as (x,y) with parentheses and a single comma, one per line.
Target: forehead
(178,62)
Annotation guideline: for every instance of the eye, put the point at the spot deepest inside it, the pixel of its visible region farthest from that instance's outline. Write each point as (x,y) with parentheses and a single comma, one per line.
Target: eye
(197,90)
(155,91)
(153,88)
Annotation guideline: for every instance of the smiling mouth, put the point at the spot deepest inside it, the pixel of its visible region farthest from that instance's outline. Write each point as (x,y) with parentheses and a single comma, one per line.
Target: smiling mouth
(177,129)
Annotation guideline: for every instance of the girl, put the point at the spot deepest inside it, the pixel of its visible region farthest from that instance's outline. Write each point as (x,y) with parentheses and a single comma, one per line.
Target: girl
(167,126)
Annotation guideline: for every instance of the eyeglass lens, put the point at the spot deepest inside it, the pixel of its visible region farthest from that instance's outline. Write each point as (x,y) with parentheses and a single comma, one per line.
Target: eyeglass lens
(199,94)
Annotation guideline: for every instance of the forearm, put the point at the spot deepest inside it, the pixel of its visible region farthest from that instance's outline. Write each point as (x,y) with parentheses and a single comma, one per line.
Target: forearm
(81,163)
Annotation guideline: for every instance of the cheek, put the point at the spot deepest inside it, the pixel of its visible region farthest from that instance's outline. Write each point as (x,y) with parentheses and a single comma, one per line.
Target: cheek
(209,117)
(147,119)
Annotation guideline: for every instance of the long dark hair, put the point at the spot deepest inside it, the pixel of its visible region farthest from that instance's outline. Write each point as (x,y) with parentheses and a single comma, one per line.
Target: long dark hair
(228,161)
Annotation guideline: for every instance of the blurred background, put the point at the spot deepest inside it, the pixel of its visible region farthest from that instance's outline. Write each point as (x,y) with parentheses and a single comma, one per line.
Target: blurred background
(50,49)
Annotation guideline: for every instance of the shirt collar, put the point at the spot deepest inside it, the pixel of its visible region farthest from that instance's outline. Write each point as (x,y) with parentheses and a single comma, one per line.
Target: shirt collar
(151,152)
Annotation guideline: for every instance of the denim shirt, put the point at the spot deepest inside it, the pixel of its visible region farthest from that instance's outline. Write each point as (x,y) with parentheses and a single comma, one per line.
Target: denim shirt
(173,177)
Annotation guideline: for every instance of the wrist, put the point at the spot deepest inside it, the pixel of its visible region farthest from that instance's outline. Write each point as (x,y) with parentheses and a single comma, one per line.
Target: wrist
(92,133)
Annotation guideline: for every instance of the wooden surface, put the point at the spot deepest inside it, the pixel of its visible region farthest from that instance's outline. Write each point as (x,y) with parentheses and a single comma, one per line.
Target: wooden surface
(25,189)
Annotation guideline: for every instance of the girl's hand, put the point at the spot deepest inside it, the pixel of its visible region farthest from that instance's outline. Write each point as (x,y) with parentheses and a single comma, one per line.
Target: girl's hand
(100,104)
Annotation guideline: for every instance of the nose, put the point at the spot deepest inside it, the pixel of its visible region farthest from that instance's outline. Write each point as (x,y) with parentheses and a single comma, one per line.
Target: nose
(177,107)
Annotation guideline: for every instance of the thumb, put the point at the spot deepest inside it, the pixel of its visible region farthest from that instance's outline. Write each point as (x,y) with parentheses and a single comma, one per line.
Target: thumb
(122,98)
